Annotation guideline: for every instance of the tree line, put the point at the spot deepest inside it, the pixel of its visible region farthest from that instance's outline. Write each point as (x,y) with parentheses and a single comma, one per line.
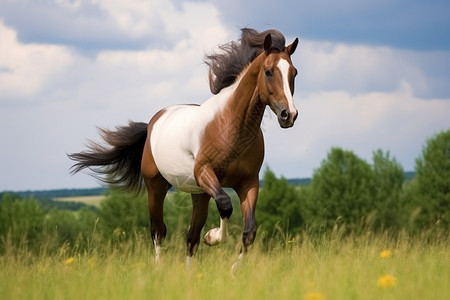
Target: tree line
(345,193)
(348,191)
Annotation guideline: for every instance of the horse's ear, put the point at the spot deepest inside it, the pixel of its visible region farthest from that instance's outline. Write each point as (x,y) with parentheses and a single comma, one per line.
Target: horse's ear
(267,43)
(291,48)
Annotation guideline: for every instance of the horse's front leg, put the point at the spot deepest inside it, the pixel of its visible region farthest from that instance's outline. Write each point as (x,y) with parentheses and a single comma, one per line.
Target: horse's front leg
(248,194)
(207,179)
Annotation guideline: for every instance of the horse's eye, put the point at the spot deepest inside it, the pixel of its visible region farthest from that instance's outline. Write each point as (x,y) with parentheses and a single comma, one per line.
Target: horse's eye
(295,72)
(268,73)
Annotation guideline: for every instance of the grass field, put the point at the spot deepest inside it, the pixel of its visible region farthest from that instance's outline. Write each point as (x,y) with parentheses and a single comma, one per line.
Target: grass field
(333,267)
(89,200)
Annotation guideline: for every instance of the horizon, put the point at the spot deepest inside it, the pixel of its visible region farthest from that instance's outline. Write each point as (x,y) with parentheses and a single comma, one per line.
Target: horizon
(406,176)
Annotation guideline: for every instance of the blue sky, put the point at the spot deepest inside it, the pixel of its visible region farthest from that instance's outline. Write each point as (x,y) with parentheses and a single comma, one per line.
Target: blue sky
(373,74)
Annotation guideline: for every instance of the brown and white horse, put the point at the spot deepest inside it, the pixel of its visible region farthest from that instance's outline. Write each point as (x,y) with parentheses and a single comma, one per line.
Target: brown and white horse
(200,149)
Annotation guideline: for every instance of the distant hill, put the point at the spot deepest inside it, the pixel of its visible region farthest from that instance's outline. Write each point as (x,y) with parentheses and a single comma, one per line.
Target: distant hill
(408,176)
(51,194)
(46,197)
(299,181)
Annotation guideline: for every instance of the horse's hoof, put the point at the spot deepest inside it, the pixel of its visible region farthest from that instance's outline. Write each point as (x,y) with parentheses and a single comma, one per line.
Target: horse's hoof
(212,237)
(235,266)
(234,269)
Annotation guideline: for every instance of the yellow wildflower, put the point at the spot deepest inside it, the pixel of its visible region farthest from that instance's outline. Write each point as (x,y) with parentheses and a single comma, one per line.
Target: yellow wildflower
(385,254)
(386,281)
(69,261)
(314,296)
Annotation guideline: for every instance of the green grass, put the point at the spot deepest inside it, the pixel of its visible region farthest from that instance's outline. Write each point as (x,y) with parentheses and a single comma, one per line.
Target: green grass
(301,268)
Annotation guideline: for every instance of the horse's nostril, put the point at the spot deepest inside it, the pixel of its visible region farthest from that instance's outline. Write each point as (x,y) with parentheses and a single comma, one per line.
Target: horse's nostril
(296,115)
(285,115)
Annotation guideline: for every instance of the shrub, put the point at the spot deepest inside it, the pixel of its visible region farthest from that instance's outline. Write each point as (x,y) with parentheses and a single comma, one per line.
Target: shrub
(21,223)
(122,214)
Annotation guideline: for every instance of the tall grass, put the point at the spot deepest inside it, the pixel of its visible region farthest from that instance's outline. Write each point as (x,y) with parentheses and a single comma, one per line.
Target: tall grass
(304,267)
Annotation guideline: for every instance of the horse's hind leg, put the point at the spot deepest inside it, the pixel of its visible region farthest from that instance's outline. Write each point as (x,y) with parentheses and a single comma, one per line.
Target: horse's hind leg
(157,188)
(199,216)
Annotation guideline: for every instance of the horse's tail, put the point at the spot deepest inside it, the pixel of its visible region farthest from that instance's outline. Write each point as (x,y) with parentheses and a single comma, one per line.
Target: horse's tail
(119,163)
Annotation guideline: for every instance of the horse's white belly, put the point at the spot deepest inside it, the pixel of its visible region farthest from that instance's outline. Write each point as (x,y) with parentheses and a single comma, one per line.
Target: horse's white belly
(181,176)
(177,167)
(175,140)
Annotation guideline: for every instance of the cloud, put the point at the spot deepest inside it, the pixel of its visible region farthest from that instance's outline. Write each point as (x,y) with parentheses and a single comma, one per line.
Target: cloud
(136,17)
(360,68)
(422,25)
(109,24)
(27,69)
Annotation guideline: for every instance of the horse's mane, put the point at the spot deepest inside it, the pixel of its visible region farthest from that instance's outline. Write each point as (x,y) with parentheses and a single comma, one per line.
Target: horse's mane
(224,67)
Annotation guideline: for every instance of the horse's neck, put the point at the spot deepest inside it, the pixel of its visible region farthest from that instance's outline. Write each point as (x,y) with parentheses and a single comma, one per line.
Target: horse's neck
(244,106)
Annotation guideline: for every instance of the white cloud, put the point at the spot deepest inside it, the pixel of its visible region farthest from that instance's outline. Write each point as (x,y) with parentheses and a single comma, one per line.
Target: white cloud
(142,17)
(93,25)
(361,68)
(72,5)
(136,17)
(27,69)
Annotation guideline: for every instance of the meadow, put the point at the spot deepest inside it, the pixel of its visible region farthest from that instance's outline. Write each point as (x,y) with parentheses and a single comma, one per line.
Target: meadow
(328,267)
(93,200)
(355,231)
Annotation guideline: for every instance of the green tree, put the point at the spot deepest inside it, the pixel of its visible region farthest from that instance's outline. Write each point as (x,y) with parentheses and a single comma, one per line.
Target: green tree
(388,183)
(431,186)
(346,189)
(279,205)
(341,191)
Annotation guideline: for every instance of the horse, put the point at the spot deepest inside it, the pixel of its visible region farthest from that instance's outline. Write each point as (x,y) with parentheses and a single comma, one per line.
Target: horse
(200,149)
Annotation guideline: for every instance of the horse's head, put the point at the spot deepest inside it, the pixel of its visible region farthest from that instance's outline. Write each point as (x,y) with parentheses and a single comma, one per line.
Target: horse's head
(276,82)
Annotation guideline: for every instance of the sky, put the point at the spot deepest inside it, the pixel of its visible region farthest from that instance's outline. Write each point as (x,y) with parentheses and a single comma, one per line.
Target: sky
(372,75)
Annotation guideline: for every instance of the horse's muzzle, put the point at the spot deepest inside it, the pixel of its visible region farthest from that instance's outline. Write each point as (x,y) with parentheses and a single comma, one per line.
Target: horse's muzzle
(286,119)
